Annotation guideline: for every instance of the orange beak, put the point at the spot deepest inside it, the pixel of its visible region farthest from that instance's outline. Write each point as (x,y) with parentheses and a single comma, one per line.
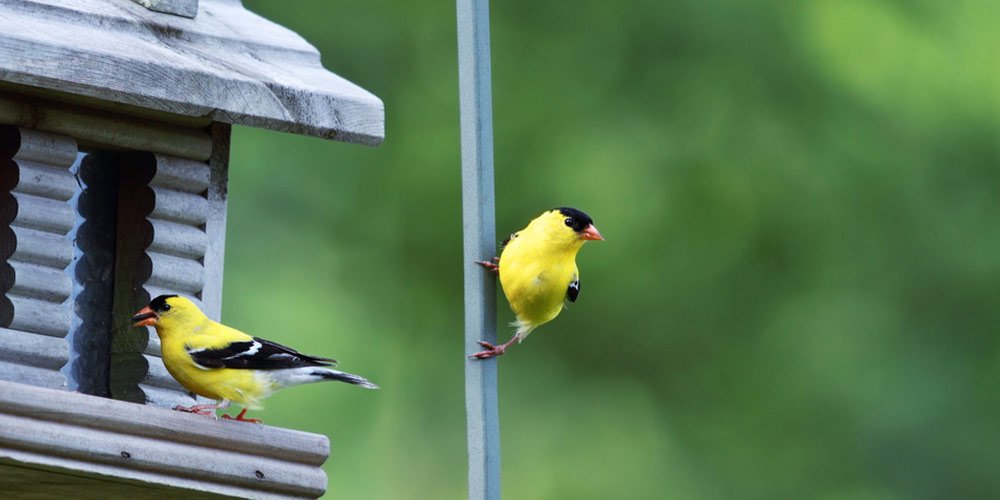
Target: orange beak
(145,317)
(591,233)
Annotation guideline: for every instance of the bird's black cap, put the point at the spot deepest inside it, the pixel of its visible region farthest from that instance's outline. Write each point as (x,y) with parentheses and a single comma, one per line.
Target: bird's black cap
(158,303)
(575,219)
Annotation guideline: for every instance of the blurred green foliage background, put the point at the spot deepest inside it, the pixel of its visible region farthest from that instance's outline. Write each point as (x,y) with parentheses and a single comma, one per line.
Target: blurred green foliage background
(798,295)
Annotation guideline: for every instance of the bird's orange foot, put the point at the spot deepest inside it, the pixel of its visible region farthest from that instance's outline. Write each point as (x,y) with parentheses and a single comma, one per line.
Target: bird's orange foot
(490,352)
(239,418)
(203,410)
(490,266)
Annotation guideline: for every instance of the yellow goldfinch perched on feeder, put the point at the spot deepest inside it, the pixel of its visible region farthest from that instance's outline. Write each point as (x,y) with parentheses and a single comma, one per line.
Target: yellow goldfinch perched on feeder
(227,365)
(538,270)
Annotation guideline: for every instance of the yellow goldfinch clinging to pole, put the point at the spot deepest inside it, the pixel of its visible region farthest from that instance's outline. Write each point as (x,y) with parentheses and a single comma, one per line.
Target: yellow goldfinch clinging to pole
(538,270)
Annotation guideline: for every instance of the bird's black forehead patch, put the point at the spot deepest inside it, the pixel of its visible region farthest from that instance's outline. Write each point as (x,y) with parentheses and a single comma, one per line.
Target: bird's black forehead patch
(158,303)
(580,220)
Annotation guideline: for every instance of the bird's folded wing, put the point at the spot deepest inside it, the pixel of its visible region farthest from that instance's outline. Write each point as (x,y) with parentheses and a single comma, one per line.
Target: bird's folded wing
(255,354)
(573,291)
(507,240)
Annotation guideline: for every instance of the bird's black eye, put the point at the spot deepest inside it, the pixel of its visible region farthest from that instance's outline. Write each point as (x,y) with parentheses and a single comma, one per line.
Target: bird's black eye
(166,307)
(569,221)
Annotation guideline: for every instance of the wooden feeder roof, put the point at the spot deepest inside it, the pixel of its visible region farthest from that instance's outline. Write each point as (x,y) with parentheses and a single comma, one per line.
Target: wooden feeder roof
(226,64)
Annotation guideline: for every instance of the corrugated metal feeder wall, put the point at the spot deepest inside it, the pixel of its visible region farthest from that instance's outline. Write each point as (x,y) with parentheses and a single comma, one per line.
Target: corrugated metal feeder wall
(35,219)
(142,224)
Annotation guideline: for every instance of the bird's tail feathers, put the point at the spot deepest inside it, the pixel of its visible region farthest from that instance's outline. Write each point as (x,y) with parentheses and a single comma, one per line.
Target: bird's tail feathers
(523,329)
(310,374)
(350,378)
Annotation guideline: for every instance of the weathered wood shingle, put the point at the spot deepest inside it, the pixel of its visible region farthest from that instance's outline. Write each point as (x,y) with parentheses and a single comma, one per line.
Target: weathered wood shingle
(226,64)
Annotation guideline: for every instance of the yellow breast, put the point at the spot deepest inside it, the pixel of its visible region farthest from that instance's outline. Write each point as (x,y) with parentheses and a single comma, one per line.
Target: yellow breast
(535,280)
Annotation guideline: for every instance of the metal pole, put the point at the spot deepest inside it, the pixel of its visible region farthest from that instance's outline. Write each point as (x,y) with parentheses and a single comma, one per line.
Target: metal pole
(479,229)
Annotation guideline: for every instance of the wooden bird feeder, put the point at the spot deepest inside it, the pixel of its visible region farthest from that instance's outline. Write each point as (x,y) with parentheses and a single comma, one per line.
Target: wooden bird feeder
(115,120)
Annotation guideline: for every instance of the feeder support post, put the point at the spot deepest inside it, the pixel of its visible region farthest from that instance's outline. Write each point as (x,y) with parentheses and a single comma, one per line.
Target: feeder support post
(479,236)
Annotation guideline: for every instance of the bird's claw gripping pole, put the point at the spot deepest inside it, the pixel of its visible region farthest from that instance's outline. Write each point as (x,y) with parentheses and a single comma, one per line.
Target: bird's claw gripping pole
(491,266)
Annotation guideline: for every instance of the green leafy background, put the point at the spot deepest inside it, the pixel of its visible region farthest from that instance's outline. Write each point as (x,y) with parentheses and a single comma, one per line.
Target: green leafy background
(798,295)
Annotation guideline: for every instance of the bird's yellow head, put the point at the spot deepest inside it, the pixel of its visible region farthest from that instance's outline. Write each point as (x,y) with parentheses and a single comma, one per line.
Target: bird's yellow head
(566,226)
(167,311)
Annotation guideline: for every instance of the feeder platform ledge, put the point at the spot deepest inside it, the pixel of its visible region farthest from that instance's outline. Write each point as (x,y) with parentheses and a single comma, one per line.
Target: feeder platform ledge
(58,444)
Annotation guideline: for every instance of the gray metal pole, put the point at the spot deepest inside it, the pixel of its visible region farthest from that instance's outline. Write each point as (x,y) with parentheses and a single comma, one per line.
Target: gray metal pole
(479,229)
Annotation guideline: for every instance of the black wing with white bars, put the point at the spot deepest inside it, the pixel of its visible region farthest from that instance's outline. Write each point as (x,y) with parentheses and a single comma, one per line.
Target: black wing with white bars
(256,354)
